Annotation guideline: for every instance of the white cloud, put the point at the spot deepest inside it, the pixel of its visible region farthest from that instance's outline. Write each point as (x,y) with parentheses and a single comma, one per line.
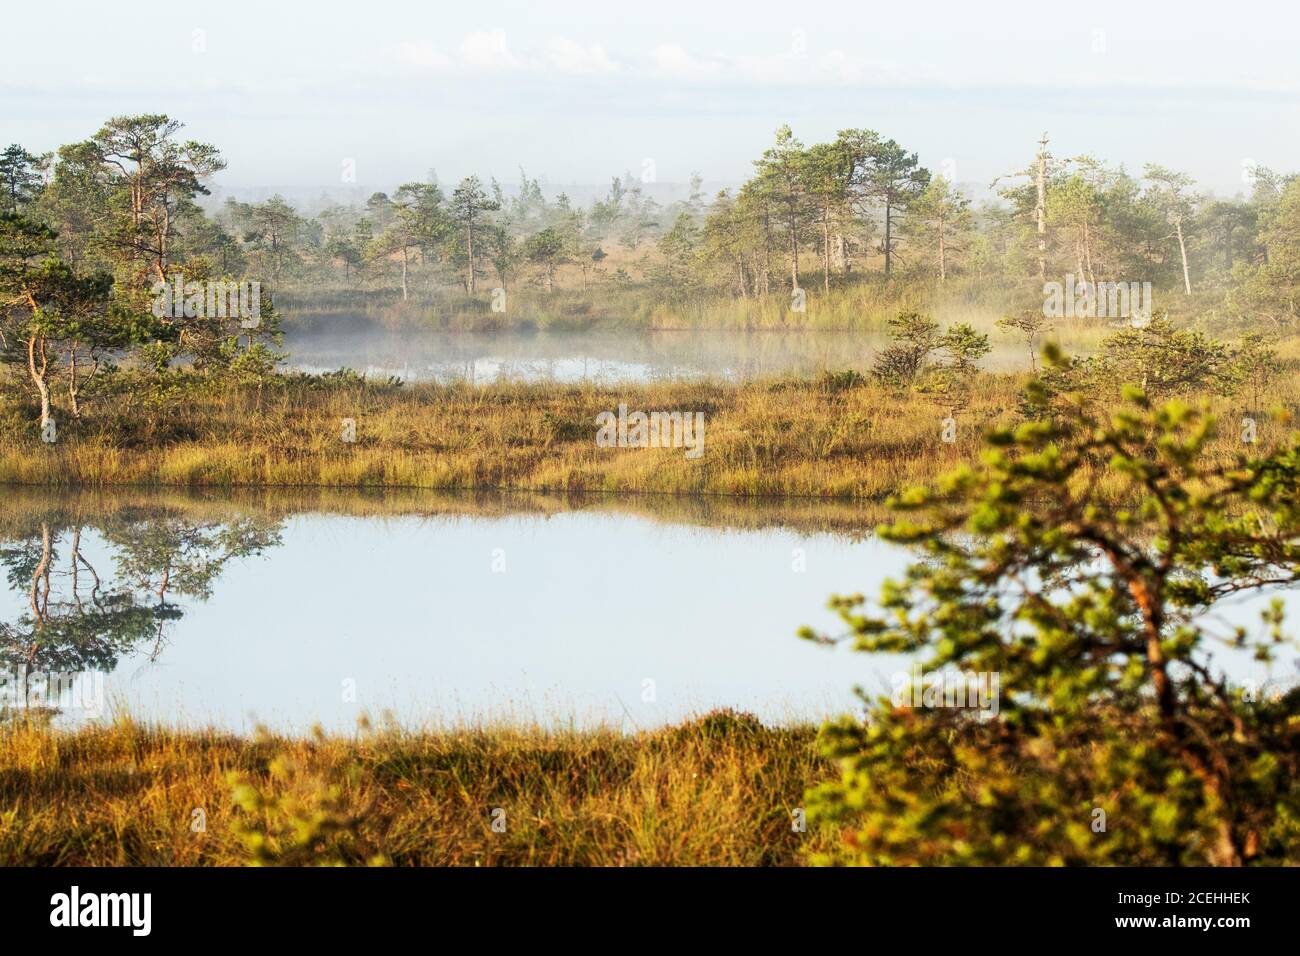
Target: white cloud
(422,54)
(781,68)
(489,51)
(672,60)
(798,66)
(838,66)
(569,57)
(801,69)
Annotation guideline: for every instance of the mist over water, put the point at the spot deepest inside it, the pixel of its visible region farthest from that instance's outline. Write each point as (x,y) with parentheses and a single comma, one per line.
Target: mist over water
(600,356)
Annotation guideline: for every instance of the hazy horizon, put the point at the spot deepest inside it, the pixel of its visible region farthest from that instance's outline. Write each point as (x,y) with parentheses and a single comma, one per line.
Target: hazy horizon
(579,93)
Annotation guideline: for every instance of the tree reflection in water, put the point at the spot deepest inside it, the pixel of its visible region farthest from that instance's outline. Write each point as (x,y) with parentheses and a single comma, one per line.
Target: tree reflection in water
(79,615)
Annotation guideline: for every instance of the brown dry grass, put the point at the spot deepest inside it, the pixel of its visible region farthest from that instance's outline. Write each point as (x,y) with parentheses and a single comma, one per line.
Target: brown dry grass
(720,790)
(775,438)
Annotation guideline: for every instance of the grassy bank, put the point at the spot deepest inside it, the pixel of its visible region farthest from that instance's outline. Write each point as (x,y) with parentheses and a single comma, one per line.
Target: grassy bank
(780,438)
(837,436)
(27,506)
(719,790)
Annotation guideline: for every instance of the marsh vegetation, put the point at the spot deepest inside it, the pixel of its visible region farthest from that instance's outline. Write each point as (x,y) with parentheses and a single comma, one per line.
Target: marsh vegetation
(1078,498)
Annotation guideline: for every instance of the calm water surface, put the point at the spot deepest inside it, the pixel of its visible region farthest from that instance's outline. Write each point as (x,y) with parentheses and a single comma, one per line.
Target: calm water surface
(236,614)
(223,615)
(600,356)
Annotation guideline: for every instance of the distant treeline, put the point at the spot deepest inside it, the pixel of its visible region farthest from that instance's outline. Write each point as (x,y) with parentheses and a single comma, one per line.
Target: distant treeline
(811,215)
(91,233)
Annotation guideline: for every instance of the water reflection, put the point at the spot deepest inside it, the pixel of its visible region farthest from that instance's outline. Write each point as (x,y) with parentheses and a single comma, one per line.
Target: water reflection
(290,609)
(604,357)
(96,590)
(437,609)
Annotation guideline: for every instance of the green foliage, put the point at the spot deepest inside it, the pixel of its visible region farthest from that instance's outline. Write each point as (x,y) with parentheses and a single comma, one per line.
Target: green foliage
(915,337)
(858,209)
(20,178)
(83,267)
(547,248)
(1258,366)
(298,819)
(1166,362)
(949,381)
(679,246)
(1099,621)
(908,360)
(1268,289)
(841,381)
(724,724)
(940,221)
(1030,326)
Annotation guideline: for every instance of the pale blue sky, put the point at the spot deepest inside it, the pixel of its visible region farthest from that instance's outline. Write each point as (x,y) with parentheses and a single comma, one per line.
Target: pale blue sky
(578,92)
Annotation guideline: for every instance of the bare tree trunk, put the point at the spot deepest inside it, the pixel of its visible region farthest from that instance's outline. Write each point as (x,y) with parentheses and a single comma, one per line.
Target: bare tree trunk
(1087,253)
(164,229)
(943,265)
(794,258)
(72,382)
(1182,250)
(1040,210)
(1224,851)
(40,608)
(38,375)
(76,567)
(94,575)
(404,295)
(767,252)
(826,251)
(889,241)
(469,235)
